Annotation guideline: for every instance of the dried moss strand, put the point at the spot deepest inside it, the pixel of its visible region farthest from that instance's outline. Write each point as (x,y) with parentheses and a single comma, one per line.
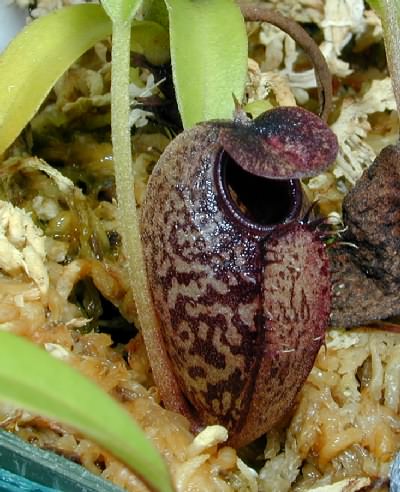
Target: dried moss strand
(258,12)
(129,224)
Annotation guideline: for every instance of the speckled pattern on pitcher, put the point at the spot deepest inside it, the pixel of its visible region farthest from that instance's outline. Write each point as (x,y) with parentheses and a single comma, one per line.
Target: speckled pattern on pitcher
(212,274)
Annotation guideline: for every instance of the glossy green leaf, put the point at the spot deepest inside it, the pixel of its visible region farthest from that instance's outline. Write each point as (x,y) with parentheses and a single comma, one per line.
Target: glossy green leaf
(27,76)
(209,57)
(36,381)
(121,10)
(38,56)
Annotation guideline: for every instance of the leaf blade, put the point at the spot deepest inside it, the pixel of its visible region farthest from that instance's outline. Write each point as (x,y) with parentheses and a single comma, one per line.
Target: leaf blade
(61,37)
(209,57)
(28,377)
(152,39)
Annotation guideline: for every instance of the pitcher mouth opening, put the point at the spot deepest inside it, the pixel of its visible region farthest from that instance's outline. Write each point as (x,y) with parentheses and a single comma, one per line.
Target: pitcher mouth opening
(259,204)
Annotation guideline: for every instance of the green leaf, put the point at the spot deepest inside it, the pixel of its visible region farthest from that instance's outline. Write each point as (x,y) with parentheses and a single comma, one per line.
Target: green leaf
(36,381)
(121,10)
(151,39)
(26,76)
(38,56)
(156,11)
(376,5)
(209,57)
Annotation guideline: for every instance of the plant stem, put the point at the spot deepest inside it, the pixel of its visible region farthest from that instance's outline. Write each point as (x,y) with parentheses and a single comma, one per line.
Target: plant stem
(390,12)
(129,220)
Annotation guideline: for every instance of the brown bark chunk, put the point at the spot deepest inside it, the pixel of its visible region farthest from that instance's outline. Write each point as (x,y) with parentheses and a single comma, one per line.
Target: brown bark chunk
(366,278)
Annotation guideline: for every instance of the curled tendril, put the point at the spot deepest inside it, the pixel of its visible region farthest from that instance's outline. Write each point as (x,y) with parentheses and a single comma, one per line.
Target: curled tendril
(259,12)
